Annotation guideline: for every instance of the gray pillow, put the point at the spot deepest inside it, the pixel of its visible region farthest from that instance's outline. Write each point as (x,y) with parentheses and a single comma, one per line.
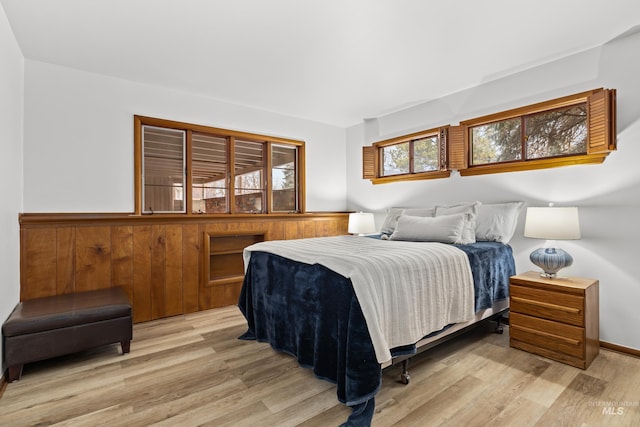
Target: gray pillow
(444,229)
(389,224)
(469,233)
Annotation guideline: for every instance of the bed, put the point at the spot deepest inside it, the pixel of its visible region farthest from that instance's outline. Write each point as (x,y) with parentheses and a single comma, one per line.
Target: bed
(348,306)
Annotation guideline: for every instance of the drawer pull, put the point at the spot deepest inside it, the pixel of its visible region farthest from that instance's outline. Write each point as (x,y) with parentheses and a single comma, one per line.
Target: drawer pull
(547,305)
(547,334)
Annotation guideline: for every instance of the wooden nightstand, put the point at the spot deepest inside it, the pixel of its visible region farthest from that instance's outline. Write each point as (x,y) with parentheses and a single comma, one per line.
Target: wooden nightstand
(555,318)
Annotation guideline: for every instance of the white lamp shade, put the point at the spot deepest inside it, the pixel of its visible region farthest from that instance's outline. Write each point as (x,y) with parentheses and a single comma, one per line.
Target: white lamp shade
(361,223)
(552,223)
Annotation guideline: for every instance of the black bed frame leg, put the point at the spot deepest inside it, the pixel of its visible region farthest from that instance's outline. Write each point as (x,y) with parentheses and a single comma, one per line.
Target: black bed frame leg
(404,376)
(499,328)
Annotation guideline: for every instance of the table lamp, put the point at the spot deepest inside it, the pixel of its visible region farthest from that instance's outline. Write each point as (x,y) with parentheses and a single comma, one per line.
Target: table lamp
(552,223)
(361,223)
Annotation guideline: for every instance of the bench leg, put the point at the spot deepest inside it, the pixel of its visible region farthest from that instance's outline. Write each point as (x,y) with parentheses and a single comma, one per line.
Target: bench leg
(126,346)
(15,372)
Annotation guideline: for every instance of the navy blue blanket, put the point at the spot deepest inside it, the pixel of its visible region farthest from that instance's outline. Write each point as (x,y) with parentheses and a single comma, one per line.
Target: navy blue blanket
(312,313)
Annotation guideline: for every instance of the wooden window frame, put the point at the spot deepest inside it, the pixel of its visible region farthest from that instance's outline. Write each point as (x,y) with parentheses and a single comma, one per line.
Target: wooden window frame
(183,165)
(601,134)
(231,135)
(372,155)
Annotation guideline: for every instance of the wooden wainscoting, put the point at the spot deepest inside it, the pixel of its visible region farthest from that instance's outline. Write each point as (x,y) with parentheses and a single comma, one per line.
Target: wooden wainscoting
(157,259)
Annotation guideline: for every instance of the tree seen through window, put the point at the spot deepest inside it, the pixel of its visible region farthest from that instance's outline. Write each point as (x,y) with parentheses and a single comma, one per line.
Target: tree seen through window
(553,133)
(419,155)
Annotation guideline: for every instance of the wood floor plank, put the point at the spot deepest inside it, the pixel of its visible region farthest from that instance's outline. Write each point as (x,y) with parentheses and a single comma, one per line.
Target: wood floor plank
(247,415)
(573,406)
(439,408)
(192,370)
(192,410)
(332,416)
(506,381)
(93,419)
(319,403)
(183,408)
(548,386)
(300,390)
(63,407)
(521,412)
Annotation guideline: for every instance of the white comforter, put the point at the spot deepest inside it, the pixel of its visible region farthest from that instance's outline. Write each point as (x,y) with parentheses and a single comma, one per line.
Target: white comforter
(406,289)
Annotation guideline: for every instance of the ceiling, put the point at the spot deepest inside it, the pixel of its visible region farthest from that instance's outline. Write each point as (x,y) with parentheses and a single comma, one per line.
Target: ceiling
(331,61)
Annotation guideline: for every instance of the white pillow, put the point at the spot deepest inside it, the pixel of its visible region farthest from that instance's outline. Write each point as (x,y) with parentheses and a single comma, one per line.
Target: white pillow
(498,221)
(389,224)
(444,229)
(469,232)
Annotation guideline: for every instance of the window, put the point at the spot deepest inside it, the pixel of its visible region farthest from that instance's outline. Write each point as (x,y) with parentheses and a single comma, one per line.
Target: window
(209,169)
(283,178)
(163,165)
(496,142)
(559,132)
(425,154)
(395,159)
(249,182)
(575,129)
(420,155)
(184,168)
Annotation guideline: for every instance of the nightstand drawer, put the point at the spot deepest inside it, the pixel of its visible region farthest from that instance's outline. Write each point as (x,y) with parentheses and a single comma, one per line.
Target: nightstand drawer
(551,305)
(554,336)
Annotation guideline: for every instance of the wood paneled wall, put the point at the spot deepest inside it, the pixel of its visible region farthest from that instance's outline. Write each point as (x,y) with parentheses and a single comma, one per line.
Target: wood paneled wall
(157,260)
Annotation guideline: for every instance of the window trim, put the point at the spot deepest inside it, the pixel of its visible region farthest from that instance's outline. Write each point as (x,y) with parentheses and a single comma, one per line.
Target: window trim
(590,157)
(189,128)
(372,168)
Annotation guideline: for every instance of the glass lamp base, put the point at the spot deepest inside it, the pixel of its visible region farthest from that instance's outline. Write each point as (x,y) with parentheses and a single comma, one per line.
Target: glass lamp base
(550,260)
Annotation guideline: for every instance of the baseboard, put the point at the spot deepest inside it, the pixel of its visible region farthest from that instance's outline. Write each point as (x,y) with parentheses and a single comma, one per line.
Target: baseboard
(620,349)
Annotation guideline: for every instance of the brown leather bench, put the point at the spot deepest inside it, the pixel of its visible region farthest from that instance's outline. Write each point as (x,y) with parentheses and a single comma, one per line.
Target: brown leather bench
(48,327)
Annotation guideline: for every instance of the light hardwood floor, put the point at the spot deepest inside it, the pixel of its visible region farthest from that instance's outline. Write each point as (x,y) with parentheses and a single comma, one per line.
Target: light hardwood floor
(192,370)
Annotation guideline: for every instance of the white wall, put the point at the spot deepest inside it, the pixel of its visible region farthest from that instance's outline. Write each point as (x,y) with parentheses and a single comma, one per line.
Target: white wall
(11,114)
(78,139)
(608,195)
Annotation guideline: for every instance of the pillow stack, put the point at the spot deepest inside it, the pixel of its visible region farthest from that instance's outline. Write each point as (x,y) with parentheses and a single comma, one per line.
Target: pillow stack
(462,223)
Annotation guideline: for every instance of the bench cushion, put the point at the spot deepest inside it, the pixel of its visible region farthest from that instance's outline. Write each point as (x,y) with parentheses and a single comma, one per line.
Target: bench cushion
(61,311)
